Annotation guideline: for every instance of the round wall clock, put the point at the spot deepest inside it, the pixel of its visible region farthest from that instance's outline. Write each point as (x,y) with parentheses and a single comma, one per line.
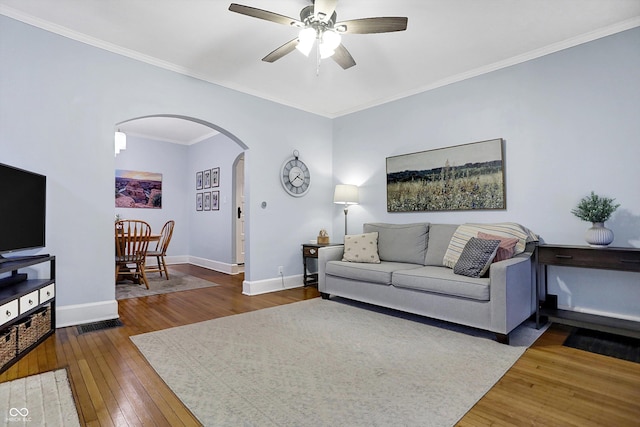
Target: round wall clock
(295,176)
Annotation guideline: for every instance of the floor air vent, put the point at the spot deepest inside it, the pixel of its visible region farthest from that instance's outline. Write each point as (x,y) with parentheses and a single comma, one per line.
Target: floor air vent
(97,326)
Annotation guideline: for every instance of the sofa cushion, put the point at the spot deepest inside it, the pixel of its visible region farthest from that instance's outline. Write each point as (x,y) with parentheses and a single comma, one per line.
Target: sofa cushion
(439,238)
(505,229)
(400,242)
(442,280)
(476,257)
(361,248)
(506,248)
(373,273)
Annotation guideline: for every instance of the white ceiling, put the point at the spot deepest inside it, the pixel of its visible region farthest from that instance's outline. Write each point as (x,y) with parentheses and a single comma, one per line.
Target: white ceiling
(169,129)
(445,41)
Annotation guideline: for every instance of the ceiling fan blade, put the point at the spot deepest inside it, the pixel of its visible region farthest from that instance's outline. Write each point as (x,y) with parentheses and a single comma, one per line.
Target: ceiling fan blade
(343,57)
(324,9)
(283,50)
(372,25)
(264,14)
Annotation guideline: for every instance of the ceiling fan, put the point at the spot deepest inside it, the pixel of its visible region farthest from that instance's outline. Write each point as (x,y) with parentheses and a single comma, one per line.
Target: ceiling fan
(319,22)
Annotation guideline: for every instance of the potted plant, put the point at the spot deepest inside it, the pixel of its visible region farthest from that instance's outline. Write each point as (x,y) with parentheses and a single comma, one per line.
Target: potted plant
(597,210)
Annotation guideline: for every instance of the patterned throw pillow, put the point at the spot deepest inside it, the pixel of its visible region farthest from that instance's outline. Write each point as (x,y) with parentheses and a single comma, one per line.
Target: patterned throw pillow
(507,245)
(476,257)
(361,248)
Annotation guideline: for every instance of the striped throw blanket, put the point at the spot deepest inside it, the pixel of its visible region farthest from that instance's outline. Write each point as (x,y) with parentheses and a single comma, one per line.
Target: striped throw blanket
(465,232)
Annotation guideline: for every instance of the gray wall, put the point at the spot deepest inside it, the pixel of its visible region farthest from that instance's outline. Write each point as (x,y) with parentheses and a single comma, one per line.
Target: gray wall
(571,122)
(211,232)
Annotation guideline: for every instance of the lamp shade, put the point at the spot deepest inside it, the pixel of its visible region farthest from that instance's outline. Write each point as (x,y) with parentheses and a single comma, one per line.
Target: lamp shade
(346,194)
(120,141)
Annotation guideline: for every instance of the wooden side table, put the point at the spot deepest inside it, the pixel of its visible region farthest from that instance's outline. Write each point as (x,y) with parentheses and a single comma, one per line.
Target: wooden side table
(611,258)
(310,250)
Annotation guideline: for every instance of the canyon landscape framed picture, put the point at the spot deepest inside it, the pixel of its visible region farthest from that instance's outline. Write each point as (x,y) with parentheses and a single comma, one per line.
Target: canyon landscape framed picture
(137,189)
(462,177)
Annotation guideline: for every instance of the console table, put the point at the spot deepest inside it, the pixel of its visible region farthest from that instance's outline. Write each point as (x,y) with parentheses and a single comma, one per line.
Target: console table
(310,250)
(611,258)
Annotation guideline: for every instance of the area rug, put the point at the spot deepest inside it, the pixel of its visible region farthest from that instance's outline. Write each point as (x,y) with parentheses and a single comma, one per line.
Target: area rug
(160,285)
(329,363)
(38,400)
(620,347)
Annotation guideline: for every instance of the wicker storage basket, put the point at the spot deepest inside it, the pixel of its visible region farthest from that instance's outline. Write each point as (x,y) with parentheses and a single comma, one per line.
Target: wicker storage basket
(8,345)
(27,334)
(42,320)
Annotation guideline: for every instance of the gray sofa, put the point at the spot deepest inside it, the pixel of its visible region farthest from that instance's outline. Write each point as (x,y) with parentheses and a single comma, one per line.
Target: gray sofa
(411,277)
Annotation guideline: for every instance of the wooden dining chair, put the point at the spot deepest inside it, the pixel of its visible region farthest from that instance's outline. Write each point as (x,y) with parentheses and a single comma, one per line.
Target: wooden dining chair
(132,241)
(161,250)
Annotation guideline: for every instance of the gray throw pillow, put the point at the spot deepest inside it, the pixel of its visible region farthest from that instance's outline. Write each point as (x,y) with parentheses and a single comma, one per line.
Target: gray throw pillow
(476,257)
(400,242)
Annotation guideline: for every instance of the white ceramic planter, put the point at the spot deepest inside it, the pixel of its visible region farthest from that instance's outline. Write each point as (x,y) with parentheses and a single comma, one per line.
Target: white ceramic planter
(598,235)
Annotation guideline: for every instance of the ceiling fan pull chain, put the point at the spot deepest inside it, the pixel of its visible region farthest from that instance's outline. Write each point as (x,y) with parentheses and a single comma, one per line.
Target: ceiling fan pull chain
(318,58)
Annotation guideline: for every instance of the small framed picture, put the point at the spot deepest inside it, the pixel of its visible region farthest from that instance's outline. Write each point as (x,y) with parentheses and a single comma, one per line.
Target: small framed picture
(198,180)
(207,201)
(215,177)
(215,200)
(199,201)
(207,178)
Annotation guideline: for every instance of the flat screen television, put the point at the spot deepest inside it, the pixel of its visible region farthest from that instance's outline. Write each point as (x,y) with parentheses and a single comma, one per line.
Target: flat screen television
(23,196)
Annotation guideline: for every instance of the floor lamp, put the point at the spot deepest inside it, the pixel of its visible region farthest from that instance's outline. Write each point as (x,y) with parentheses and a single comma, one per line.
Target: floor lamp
(345,194)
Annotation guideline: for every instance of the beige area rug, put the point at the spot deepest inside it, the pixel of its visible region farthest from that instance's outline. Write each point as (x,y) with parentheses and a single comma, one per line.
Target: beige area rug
(329,363)
(38,400)
(160,285)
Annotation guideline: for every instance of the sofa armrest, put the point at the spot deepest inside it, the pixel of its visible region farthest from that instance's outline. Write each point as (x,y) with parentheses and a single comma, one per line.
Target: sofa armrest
(511,292)
(326,254)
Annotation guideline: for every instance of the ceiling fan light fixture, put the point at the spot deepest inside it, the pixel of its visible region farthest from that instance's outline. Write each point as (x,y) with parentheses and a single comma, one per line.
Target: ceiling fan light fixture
(331,39)
(326,52)
(306,38)
(329,43)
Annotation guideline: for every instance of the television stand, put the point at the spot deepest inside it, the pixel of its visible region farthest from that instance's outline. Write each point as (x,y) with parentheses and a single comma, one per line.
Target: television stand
(13,279)
(27,308)
(22,258)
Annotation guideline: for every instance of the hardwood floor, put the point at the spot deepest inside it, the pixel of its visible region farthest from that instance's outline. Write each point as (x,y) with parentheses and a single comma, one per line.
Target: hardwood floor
(113,385)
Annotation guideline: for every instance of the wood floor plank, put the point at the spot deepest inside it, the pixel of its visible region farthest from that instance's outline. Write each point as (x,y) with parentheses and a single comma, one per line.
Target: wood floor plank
(113,384)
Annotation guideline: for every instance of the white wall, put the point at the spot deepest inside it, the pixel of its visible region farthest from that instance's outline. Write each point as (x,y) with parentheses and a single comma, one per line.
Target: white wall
(59,105)
(570,121)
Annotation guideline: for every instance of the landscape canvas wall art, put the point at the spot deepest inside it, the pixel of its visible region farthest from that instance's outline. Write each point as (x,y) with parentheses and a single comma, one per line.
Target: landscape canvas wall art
(136,189)
(462,177)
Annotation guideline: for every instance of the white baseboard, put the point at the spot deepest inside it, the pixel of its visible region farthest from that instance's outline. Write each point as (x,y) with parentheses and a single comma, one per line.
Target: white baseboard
(213,265)
(71,315)
(201,262)
(600,313)
(181,259)
(271,285)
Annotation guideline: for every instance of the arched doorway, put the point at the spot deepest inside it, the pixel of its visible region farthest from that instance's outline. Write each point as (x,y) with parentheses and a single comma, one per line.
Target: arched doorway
(226,196)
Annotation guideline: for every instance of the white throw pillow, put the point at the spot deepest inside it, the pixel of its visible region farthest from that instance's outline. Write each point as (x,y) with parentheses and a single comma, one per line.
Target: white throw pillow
(465,232)
(361,248)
